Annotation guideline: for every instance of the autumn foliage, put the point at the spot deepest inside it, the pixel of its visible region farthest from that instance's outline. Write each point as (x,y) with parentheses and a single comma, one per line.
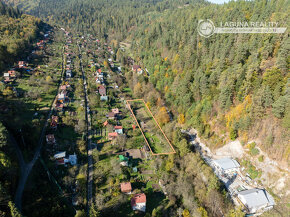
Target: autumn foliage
(162,116)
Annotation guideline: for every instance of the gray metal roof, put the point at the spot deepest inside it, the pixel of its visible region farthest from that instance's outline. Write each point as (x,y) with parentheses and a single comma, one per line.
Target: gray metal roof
(256,198)
(227,163)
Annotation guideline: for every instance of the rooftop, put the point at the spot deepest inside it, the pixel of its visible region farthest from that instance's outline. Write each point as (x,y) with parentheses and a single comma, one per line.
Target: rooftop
(134,153)
(126,187)
(111,114)
(135,67)
(138,198)
(227,163)
(256,198)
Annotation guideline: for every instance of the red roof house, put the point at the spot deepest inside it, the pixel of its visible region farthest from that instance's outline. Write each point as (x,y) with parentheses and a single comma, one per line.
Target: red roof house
(126,187)
(138,202)
(112,136)
(102,90)
(105,123)
(12,73)
(21,64)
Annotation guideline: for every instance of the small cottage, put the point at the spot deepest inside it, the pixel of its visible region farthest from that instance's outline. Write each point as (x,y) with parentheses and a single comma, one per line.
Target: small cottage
(118,129)
(102,90)
(138,202)
(126,187)
(112,136)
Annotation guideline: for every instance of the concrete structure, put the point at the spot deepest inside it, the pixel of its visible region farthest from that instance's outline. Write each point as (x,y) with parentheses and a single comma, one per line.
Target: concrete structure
(227,165)
(256,200)
(72,159)
(104,98)
(60,155)
(68,74)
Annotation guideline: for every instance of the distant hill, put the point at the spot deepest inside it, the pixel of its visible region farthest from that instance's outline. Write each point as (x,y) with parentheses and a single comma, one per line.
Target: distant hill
(17,31)
(101,17)
(25,5)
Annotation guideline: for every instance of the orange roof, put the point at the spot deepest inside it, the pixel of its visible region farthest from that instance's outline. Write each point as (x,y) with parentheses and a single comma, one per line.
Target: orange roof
(118,127)
(114,134)
(126,187)
(138,198)
(105,123)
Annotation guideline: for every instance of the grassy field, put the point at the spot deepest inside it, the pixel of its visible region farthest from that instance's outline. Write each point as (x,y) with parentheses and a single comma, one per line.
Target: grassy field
(155,137)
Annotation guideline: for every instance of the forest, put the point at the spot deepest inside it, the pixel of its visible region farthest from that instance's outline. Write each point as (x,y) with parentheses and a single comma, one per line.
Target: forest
(17,32)
(227,86)
(105,18)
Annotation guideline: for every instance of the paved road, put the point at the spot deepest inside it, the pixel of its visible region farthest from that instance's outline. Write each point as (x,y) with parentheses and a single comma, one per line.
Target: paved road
(25,168)
(89,146)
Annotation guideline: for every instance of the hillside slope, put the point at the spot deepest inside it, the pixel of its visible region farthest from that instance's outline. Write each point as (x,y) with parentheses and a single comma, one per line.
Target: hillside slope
(98,17)
(17,31)
(227,86)
(24,5)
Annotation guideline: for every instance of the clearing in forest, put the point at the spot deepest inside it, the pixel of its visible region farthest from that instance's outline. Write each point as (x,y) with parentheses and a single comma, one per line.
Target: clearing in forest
(154,136)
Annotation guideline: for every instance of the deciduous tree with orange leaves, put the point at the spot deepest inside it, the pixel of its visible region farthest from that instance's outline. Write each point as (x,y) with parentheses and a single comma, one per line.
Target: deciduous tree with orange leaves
(162,116)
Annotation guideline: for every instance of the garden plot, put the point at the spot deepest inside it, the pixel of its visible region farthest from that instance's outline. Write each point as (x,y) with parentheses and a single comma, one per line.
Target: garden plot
(154,136)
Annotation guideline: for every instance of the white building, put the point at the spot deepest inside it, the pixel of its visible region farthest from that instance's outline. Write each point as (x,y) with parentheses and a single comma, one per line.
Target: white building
(68,73)
(59,155)
(72,159)
(256,200)
(226,165)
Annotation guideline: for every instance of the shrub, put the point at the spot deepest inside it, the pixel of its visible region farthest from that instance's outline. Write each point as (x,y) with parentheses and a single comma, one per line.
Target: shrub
(261,158)
(233,134)
(253,150)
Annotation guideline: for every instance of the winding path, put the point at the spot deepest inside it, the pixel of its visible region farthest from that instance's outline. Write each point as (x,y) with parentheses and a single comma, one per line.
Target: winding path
(25,168)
